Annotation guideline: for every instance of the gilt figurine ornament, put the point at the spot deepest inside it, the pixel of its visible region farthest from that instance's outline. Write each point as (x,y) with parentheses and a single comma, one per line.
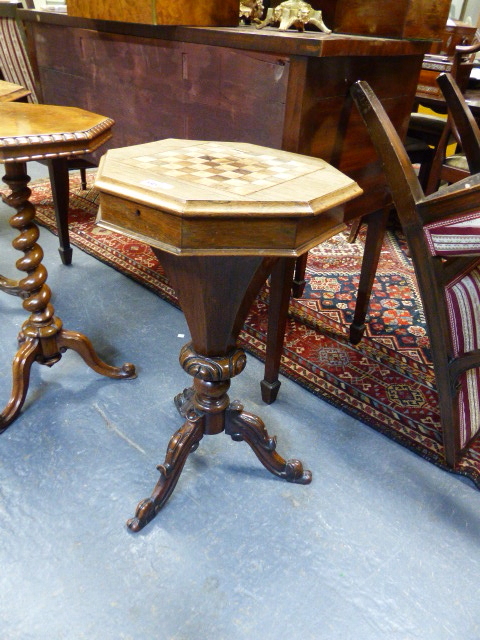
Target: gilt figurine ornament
(251,11)
(294,13)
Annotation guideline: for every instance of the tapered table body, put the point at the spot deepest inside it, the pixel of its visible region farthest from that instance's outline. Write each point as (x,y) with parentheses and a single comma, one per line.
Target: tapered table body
(220,217)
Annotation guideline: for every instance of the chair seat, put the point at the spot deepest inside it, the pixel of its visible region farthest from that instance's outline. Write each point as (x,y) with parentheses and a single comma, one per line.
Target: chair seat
(463,304)
(458,160)
(426,127)
(454,236)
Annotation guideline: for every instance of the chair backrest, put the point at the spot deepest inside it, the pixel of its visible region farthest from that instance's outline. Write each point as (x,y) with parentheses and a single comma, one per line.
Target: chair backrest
(14,63)
(463,120)
(401,177)
(464,55)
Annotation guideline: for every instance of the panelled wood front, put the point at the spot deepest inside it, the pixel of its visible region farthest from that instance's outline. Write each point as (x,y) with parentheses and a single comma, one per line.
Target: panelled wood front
(160,87)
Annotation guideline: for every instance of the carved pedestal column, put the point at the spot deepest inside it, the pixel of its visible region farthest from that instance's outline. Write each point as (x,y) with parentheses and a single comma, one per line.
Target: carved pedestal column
(42,338)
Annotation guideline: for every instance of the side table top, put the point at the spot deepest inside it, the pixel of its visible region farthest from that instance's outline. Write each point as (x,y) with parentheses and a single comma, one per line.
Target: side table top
(189,197)
(38,131)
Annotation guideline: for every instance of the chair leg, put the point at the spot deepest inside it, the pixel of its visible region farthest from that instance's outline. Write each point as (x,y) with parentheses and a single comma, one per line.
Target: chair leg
(377,224)
(58,171)
(83,178)
(280,289)
(299,276)
(355,230)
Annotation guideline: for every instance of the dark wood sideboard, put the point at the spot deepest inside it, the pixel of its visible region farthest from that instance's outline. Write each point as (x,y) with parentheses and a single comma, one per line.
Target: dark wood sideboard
(280,89)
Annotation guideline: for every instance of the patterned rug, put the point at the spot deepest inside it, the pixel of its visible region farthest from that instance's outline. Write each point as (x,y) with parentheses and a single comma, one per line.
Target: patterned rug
(386,381)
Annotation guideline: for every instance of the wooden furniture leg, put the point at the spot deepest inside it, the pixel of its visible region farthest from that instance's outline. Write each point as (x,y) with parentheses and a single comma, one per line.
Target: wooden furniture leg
(212,358)
(280,290)
(377,224)
(59,181)
(299,276)
(42,338)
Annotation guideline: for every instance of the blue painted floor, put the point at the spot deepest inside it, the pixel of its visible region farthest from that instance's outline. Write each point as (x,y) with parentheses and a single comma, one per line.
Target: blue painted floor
(381,546)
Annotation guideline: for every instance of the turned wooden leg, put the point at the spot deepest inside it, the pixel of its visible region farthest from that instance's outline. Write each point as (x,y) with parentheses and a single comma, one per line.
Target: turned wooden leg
(280,290)
(7,285)
(42,337)
(377,223)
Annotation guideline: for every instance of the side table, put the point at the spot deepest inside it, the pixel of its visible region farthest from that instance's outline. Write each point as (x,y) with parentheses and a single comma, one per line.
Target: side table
(39,132)
(219,216)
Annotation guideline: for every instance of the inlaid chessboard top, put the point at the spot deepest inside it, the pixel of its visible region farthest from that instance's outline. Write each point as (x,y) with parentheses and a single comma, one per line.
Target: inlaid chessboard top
(38,131)
(189,177)
(217,166)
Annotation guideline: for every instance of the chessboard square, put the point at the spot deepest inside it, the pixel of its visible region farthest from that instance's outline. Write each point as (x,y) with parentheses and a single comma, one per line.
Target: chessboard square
(251,177)
(172,165)
(218,178)
(227,166)
(172,172)
(201,174)
(231,174)
(206,182)
(262,169)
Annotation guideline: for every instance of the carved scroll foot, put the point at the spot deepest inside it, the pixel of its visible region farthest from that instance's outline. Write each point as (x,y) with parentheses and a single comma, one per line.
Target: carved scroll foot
(182,443)
(22,363)
(82,345)
(241,425)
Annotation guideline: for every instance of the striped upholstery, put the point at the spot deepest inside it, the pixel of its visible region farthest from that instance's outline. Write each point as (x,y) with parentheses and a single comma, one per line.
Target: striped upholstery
(463,303)
(454,236)
(14,63)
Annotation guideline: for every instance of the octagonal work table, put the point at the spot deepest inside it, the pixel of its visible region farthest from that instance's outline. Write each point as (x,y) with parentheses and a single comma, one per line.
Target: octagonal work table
(219,216)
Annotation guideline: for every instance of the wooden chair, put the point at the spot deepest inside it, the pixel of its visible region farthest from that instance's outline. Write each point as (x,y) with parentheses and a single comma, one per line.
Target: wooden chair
(442,231)
(440,133)
(15,67)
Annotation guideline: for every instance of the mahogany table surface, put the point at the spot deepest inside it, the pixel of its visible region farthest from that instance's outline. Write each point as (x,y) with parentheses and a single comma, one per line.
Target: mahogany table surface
(37,131)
